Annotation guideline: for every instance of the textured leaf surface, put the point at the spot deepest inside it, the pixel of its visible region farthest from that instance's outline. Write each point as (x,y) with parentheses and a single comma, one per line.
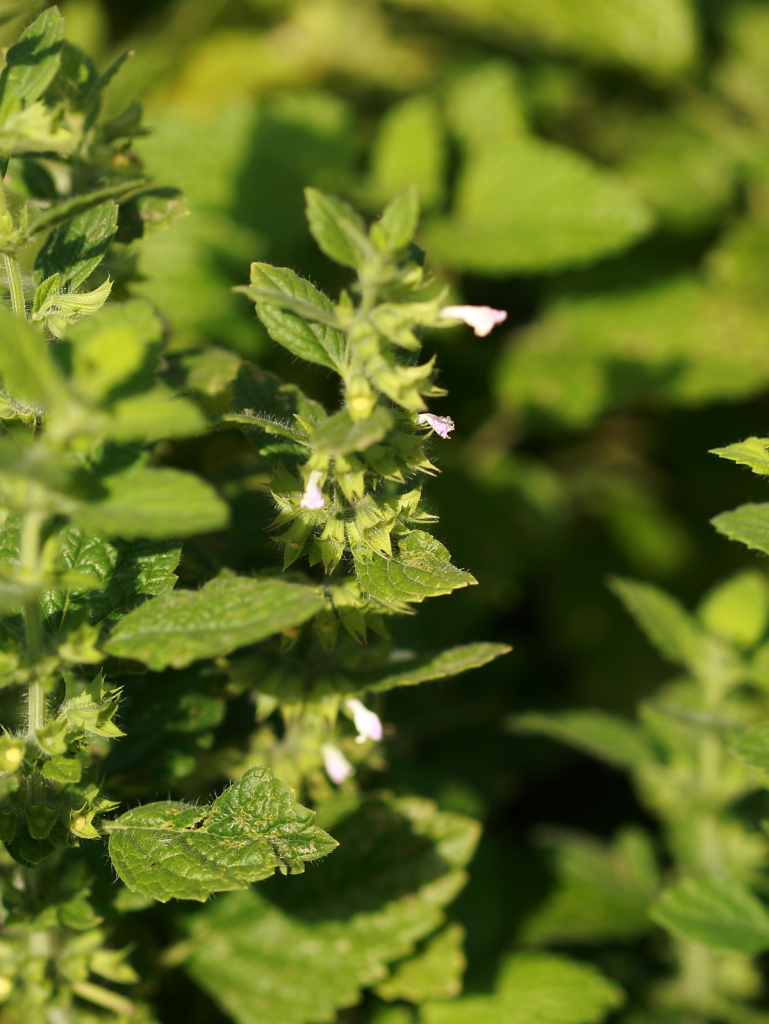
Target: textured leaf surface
(603,892)
(78,205)
(748,524)
(534,988)
(319,940)
(182,627)
(154,503)
(440,666)
(435,972)
(608,737)
(753,452)
(128,572)
(75,249)
(173,850)
(421,569)
(316,342)
(666,623)
(528,206)
(720,914)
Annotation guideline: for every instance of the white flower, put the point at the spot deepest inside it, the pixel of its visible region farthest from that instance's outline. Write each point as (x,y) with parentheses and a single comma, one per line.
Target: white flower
(482,319)
(338,768)
(442,425)
(312,498)
(367,723)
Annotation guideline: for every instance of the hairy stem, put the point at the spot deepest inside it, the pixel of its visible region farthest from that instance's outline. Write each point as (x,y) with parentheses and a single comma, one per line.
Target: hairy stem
(29,557)
(12,268)
(15,287)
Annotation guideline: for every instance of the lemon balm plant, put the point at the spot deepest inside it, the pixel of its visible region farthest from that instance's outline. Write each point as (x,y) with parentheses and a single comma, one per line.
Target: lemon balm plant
(104,663)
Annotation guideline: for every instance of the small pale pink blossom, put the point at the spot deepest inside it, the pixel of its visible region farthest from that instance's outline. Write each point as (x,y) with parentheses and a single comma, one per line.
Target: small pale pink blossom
(313,498)
(338,768)
(482,319)
(367,723)
(442,425)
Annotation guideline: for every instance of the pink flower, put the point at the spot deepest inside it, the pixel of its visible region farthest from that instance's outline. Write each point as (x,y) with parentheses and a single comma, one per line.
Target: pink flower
(442,425)
(313,499)
(482,319)
(367,722)
(338,768)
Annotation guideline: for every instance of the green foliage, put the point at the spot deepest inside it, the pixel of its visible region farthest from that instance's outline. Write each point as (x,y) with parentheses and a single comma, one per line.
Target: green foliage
(401,860)
(172,850)
(536,987)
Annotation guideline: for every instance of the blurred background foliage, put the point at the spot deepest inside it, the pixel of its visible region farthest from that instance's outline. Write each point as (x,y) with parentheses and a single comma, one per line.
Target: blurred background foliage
(599,169)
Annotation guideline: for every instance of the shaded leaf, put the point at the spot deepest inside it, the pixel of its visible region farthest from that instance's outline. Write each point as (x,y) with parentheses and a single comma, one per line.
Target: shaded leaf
(74,250)
(668,625)
(608,737)
(398,864)
(33,62)
(341,435)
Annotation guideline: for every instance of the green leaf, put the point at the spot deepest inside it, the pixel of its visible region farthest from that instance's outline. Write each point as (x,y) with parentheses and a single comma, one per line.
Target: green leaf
(67,209)
(421,569)
(528,206)
(612,739)
(154,416)
(748,524)
(753,452)
(27,370)
(603,891)
(534,988)
(399,221)
(409,152)
(127,573)
(116,351)
(425,668)
(752,748)
(434,972)
(153,503)
(33,62)
(227,613)
(62,769)
(257,392)
(275,287)
(656,37)
(398,864)
(337,228)
(74,250)
(718,913)
(174,850)
(675,633)
(738,609)
(341,435)
(159,208)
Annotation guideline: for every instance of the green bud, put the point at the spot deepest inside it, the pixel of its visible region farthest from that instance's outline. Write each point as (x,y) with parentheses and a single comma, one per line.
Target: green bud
(350,476)
(12,752)
(361,400)
(52,738)
(40,819)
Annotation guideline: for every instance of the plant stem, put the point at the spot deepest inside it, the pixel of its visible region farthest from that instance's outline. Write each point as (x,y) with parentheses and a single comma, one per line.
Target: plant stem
(29,555)
(15,287)
(12,268)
